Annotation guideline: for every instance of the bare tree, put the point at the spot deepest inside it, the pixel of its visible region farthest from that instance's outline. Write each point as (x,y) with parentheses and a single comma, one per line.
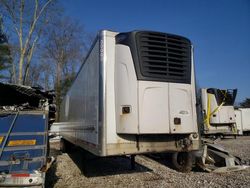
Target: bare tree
(41,74)
(5,54)
(28,18)
(245,103)
(64,48)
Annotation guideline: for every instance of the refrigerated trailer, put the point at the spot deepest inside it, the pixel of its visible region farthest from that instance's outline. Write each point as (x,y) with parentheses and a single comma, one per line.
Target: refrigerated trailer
(243,120)
(134,94)
(218,111)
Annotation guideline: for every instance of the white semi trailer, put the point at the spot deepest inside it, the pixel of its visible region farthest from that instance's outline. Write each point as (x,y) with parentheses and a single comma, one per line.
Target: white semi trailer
(134,94)
(243,120)
(218,111)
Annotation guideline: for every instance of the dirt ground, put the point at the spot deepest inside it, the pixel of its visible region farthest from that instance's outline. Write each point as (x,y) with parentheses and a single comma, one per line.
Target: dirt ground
(75,170)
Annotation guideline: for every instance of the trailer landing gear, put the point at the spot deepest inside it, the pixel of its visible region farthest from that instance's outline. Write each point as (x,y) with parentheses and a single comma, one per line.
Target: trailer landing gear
(65,146)
(132,162)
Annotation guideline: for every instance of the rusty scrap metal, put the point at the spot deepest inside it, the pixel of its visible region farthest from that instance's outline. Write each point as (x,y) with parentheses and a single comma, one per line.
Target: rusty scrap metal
(215,158)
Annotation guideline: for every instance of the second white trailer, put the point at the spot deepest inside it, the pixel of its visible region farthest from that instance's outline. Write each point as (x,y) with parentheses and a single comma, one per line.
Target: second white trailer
(243,120)
(218,111)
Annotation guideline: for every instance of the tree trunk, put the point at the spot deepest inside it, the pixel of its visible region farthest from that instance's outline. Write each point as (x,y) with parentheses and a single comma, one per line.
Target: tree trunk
(20,76)
(58,90)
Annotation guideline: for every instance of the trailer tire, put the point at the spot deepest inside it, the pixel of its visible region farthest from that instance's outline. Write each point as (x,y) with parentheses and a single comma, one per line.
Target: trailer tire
(182,161)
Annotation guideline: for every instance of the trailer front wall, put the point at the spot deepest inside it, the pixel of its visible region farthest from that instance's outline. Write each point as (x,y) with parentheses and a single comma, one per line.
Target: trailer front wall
(121,88)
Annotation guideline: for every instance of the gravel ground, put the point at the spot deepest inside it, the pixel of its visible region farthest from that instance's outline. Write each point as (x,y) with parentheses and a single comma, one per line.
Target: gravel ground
(71,170)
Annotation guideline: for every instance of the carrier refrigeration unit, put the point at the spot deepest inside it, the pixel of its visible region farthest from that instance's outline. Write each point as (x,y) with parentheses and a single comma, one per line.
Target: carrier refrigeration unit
(135,93)
(218,111)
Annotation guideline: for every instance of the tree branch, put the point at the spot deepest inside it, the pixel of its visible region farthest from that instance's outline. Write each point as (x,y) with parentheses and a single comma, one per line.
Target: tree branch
(34,24)
(30,54)
(12,15)
(21,26)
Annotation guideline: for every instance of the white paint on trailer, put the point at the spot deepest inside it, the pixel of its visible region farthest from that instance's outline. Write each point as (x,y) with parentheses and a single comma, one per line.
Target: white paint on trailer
(243,118)
(182,105)
(126,91)
(238,121)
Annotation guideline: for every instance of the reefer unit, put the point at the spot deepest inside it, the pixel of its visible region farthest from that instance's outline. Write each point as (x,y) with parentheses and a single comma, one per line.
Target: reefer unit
(243,119)
(135,93)
(218,111)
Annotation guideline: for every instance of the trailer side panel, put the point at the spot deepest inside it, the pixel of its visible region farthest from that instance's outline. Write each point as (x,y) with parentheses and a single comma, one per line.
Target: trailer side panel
(81,106)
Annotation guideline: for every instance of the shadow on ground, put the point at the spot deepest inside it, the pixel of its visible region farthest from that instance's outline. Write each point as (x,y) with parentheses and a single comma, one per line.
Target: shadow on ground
(162,158)
(51,177)
(93,166)
(165,159)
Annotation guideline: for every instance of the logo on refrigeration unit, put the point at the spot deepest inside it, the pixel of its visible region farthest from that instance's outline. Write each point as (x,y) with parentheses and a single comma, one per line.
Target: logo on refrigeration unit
(183,112)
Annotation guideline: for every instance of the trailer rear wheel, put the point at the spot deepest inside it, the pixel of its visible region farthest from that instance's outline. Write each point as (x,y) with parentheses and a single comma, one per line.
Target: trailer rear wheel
(182,161)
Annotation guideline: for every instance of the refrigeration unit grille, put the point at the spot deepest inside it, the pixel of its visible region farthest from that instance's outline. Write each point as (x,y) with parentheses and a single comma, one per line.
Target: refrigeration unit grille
(164,57)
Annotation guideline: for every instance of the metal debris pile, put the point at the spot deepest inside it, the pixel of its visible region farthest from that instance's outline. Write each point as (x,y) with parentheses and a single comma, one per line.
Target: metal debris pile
(214,158)
(18,97)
